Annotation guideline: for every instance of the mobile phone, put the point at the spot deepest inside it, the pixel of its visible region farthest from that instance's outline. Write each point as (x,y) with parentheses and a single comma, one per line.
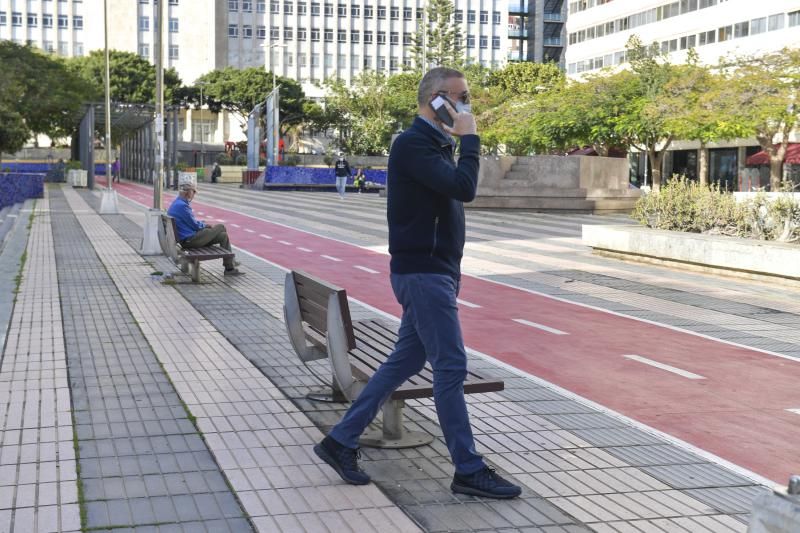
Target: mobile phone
(437,104)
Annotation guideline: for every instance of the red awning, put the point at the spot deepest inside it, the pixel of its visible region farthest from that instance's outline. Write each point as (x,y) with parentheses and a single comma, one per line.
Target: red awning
(761,158)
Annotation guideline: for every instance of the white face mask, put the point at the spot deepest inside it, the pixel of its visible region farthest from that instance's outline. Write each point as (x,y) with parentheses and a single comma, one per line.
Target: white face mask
(461,107)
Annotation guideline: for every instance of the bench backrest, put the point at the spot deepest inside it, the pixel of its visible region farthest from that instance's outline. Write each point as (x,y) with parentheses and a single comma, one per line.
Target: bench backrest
(318,321)
(167,237)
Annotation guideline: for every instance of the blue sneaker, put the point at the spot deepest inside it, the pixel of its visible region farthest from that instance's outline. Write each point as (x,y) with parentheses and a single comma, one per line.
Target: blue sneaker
(342,459)
(486,483)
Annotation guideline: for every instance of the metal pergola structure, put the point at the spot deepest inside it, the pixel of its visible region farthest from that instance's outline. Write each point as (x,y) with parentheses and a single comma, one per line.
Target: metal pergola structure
(134,126)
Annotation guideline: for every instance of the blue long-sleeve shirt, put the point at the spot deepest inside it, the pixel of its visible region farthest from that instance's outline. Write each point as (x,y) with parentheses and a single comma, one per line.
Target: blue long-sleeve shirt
(187,225)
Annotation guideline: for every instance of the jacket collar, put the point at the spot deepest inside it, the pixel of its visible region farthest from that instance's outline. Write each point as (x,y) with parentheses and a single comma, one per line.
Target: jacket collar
(425,127)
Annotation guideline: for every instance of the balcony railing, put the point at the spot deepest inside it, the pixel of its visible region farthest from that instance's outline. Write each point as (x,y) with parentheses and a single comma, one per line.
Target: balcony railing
(517,33)
(552,41)
(516,6)
(553,17)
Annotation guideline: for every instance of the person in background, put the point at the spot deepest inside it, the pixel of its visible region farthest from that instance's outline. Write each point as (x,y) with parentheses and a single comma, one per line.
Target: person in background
(115,170)
(359,180)
(342,173)
(216,173)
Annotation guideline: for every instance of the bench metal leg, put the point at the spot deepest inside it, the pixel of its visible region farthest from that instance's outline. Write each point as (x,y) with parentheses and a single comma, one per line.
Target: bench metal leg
(195,271)
(183,265)
(392,435)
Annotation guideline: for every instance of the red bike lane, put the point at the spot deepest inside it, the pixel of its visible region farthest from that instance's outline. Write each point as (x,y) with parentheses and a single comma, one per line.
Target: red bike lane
(731,401)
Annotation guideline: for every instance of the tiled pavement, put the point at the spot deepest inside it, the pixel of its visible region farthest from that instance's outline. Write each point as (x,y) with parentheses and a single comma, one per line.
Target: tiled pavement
(203,425)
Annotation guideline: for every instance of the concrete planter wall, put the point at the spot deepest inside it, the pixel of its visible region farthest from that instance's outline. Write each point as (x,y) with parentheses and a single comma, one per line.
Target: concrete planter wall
(18,187)
(746,256)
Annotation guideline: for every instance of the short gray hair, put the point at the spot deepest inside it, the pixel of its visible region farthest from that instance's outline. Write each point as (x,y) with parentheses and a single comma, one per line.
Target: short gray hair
(433,80)
(186,187)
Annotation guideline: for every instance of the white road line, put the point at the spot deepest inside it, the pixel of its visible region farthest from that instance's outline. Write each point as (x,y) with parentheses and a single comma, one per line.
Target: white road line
(365,269)
(539,326)
(662,366)
(331,257)
(304,249)
(264,236)
(199,212)
(468,304)
(287,243)
(236,225)
(219,220)
(248,230)
(795,411)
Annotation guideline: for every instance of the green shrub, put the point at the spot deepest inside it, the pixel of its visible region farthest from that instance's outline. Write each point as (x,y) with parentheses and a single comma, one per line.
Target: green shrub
(241,159)
(73,165)
(224,159)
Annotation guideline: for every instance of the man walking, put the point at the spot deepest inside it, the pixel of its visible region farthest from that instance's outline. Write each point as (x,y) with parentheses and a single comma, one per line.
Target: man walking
(342,173)
(426,242)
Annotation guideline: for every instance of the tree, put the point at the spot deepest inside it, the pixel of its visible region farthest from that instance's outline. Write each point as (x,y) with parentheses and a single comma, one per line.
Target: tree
(760,99)
(438,41)
(240,90)
(39,90)
(13,132)
(133,78)
(526,78)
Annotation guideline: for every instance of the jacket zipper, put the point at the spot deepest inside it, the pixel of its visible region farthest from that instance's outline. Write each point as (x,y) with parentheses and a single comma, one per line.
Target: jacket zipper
(435,234)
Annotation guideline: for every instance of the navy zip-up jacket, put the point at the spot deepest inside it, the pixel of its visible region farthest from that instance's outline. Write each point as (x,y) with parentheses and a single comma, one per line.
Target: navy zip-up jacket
(426,191)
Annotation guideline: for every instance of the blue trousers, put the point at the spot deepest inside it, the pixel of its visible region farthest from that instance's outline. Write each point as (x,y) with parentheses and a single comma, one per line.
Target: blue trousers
(429,330)
(341,183)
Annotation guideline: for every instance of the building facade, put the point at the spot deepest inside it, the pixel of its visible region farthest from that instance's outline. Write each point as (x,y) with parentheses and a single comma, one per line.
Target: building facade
(599,29)
(536,30)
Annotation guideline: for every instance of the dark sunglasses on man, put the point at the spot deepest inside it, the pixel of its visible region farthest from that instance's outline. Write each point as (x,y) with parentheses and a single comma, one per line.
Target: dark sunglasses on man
(464,97)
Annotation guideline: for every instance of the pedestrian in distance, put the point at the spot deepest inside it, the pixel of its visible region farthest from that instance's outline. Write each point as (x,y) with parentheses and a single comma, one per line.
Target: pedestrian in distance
(193,233)
(359,180)
(216,172)
(426,191)
(342,173)
(115,170)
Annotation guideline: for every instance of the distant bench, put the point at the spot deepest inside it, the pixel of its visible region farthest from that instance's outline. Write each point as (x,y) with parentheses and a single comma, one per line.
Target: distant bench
(187,258)
(317,318)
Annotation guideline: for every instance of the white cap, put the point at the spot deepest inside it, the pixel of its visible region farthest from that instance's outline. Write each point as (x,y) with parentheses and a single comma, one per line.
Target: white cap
(186,179)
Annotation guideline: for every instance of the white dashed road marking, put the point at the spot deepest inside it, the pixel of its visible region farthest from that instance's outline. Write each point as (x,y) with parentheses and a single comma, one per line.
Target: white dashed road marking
(468,304)
(662,366)
(264,236)
(331,258)
(248,230)
(236,225)
(287,243)
(304,249)
(539,326)
(365,269)
(795,411)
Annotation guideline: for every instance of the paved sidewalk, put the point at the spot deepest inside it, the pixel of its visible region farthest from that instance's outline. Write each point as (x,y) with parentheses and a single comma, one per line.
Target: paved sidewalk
(188,406)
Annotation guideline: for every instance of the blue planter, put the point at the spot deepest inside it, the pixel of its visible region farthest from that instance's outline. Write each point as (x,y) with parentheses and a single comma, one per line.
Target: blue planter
(315,176)
(17,187)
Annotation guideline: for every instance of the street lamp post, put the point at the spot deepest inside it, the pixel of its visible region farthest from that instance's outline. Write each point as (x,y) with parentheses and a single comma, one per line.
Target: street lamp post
(202,129)
(267,63)
(109,202)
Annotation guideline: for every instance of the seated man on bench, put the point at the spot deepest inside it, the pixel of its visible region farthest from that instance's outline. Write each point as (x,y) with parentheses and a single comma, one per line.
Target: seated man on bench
(193,233)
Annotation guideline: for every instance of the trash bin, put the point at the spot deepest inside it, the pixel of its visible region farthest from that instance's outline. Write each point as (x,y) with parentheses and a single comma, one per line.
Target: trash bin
(249,177)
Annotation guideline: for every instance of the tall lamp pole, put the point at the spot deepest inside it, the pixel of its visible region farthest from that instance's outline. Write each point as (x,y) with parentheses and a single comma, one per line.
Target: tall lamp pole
(267,63)
(159,179)
(202,129)
(108,204)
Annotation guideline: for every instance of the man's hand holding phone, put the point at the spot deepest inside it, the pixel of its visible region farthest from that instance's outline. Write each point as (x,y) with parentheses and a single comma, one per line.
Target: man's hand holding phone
(459,123)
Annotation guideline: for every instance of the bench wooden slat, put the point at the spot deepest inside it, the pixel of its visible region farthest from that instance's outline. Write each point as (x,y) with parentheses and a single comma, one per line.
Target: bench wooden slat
(312,289)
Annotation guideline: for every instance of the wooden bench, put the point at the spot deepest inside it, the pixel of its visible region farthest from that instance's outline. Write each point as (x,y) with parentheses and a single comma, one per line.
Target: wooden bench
(187,259)
(317,318)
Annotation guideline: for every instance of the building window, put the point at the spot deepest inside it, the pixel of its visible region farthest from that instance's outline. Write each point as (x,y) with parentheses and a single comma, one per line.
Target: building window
(367,62)
(302,8)
(144,23)
(407,38)
(368,13)
(725,33)
(77,49)
(288,34)
(301,34)
(459,16)
(173,2)
(3,19)
(328,60)
(355,36)
(261,6)
(63,48)
(354,60)
(288,59)
(495,17)
(741,29)
(707,37)
(16,19)
(341,36)
(393,63)
(394,37)
(247,31)
(233,30)
(173,25)
(315,35)
(233,5)
(759,25)
(776,22)
(407,62)
(484,17)
(496,43)
(47,20)
(471,16)
(202,129)
(367,36)
(288,7)
(381,63)
(274,7)
(341,10)
(315,9)
(381,37)
(144,51)
(328,9)
(261,32)
(174,52)
(470,41)
(274,33)
(394,13)
(33,20)
(301,59)
(328,35)
(247,6)
(381,12)
(794,18)
(420,14)
(484,42)
(355,10)
(314,60)
(407,13)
